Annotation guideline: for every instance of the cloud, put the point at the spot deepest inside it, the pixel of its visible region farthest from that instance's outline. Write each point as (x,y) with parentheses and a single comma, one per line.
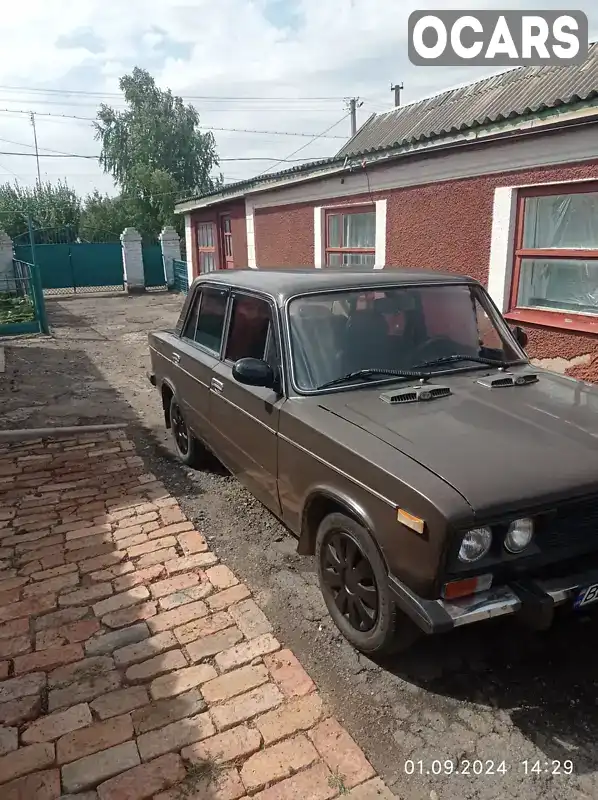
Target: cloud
(287,52)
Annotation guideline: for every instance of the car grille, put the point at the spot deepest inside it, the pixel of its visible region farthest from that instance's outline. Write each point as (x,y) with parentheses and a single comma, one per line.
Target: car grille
(571,526)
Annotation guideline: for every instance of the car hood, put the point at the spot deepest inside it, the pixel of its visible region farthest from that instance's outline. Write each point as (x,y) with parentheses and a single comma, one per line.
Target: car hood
(502,449)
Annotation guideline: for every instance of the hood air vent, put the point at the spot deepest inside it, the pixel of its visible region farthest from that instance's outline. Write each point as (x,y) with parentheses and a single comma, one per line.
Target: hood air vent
(415,394)
(502,379)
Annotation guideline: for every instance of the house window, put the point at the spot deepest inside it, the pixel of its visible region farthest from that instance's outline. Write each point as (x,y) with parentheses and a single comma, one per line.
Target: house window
(351,237)
(556,251)
(206,246)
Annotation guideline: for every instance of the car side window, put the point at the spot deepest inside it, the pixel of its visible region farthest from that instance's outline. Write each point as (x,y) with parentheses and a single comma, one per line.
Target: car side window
(211,317)
(191,324)
(250,325)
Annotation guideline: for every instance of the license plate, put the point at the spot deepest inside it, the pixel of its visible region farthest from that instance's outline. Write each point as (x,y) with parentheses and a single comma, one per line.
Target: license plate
(586,596)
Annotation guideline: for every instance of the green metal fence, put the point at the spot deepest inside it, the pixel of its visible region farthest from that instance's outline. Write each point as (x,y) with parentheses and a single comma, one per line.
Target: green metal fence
(22,306)
(153,267)
(181,276)
(70,264)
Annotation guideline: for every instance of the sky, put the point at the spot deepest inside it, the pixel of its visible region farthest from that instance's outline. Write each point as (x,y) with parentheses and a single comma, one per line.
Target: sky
(267,76)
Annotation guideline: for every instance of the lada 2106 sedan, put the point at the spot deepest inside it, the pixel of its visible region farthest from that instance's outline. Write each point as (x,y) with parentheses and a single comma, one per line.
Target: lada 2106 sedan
(394,423)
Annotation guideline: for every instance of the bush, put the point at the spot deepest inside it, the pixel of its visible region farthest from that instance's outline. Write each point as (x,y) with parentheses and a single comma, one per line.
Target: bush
(15,309)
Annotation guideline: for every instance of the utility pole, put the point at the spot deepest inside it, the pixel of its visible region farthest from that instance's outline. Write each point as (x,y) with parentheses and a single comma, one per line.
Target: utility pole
(39,177)
(397,89)
(353,104)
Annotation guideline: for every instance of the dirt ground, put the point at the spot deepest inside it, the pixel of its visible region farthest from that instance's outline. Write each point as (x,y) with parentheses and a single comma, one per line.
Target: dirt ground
(496,696)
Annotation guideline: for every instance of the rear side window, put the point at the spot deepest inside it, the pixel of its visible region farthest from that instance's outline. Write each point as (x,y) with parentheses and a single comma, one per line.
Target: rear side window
(210,321)
(191,324)
(178,329)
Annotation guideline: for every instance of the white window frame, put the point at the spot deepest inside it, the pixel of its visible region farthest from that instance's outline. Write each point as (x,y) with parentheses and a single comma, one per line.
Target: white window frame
(320,231)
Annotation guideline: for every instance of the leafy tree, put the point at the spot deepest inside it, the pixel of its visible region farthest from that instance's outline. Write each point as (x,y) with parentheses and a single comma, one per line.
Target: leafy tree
(103,217)
(154,150)
(53,209)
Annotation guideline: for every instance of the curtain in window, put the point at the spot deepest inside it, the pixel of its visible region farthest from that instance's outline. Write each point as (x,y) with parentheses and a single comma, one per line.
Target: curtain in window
(559,283)
(561,222)
(360,230)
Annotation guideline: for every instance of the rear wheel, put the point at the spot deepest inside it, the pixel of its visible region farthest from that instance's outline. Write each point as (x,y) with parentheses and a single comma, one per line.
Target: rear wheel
(354,584)
(186,446)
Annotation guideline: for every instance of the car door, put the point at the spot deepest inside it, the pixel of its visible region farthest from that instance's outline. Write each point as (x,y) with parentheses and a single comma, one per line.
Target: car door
(201,341)
(245,418)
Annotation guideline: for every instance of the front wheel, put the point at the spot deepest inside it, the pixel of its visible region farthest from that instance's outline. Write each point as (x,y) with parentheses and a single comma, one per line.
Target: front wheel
(186,446)
(354,584)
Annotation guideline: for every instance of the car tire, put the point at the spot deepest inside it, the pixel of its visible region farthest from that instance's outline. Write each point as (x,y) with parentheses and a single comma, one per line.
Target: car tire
(359,593)
(188,449)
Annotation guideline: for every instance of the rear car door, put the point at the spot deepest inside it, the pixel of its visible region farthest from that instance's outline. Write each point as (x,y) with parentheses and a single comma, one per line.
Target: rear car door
(201,340)
(245,418)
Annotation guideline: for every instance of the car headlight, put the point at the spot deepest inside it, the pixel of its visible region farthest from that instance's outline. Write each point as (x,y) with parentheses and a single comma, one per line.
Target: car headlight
(519,535)
(475,545)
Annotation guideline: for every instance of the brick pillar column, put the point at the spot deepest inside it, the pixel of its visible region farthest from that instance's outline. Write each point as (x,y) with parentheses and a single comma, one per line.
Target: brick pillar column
(132,260)
(7,274)
(170,242)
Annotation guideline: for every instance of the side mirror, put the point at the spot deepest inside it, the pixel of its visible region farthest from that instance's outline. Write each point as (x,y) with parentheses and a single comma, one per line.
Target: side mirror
(254,372)
(521,336)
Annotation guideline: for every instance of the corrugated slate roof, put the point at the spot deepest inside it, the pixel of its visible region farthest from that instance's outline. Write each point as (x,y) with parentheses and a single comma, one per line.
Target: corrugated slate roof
(516,93)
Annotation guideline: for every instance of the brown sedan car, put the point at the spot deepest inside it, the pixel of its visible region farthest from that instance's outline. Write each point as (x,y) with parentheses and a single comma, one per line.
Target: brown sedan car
(393,422)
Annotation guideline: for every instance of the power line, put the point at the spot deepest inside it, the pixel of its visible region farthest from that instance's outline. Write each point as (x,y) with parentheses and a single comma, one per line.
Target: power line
(79,155)
(216,98)
(24,144)
(201,127)
(299,149)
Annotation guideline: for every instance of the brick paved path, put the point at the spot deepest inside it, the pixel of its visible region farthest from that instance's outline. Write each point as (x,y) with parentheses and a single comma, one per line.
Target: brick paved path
(132,664)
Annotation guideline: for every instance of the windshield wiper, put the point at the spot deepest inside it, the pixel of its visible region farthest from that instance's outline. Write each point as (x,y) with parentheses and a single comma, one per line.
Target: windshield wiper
(372,373)
(490,362)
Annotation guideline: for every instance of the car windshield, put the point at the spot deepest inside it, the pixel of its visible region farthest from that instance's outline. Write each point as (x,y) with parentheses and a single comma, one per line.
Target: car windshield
(437,327)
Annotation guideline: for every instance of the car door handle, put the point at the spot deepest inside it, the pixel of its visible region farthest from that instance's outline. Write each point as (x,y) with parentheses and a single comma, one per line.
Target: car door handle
(176,357)
(216,385)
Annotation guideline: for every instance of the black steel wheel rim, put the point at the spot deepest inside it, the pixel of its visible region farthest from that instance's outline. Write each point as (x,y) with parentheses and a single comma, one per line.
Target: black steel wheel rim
(349,580)
(181,436)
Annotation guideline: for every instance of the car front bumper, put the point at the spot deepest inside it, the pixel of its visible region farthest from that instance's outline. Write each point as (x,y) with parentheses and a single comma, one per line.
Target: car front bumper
(532,600)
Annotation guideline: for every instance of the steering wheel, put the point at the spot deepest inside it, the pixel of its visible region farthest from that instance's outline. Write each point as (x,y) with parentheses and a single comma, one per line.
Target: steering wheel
(434,347)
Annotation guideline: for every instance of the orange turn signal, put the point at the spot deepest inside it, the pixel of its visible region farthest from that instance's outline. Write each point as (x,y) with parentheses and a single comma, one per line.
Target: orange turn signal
(467,586)
(410,520)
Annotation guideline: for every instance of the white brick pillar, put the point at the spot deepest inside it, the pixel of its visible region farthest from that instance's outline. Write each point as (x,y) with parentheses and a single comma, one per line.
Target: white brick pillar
(132,260)
(170,242)
(7,275)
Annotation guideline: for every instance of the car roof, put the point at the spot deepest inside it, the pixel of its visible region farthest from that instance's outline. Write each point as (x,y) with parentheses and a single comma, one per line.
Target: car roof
(285,283)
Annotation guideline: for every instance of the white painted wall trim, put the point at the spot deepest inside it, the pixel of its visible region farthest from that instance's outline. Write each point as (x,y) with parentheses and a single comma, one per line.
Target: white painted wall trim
(570,146)
(319,236)
(189,247)
(380,260)
(502,246)
(250,225)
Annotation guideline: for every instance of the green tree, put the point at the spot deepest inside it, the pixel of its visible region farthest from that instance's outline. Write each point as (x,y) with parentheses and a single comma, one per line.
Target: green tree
(154,150)
(103,217)
(53,209)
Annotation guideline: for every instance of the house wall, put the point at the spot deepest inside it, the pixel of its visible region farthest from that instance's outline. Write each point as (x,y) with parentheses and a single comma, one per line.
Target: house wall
(446,226)
(284,236)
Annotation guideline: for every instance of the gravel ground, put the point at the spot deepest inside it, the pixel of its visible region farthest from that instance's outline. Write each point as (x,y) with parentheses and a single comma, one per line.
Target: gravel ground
(494,696)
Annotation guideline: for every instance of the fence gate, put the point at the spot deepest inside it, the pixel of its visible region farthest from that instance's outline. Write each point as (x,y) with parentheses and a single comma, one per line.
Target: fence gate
(181,276)
(69,263)
(153,267)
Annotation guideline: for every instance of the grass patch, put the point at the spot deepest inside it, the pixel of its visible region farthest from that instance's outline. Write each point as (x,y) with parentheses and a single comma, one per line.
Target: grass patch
(15,309)
(197,774)
(337,782)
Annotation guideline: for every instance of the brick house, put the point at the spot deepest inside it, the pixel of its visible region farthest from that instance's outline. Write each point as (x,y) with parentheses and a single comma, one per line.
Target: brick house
(497,179)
